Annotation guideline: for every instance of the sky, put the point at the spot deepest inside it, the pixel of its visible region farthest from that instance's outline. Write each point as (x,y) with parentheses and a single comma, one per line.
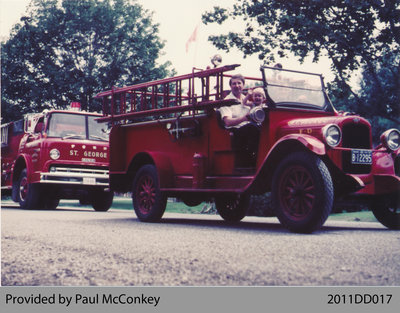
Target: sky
(178,20)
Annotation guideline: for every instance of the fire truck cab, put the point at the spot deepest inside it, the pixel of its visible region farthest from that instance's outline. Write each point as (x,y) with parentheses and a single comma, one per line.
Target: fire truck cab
(168,140)
(53,155)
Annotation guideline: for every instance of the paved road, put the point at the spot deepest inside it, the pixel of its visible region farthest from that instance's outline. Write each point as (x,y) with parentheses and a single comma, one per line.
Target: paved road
(86,248)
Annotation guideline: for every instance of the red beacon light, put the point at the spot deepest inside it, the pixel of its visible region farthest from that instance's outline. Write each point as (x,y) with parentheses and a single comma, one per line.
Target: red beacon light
(75,106)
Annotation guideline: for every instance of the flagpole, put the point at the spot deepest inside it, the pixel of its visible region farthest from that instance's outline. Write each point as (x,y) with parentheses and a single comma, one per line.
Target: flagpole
(193,39)
(196,46)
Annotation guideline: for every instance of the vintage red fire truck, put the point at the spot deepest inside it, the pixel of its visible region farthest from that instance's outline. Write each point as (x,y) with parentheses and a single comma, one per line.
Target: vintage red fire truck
(168,140)
(53,155)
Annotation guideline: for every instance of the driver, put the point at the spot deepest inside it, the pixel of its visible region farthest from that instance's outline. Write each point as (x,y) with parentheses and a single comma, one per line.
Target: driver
(237,119)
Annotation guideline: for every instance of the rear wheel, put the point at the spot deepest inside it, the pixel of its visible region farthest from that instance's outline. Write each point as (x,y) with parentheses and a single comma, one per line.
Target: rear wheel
(149,202)
(232,208)
(302,192)
(191,201)
(102,200)
(387,212)
(29,195)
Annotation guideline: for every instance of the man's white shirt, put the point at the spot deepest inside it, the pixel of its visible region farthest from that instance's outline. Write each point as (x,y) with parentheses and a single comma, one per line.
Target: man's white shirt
(236,110)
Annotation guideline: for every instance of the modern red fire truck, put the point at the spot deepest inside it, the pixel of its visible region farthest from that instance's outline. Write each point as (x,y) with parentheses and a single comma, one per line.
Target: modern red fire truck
(168,140)
(53,155)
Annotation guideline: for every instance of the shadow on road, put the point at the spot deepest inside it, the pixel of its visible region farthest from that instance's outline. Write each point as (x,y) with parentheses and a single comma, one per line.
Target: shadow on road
(270,224)
(265,224)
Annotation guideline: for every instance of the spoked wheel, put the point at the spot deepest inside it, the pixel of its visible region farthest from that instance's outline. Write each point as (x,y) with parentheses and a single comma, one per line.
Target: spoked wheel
(232,208)
(302,192)
(298,192)
(148,201)
(387,211)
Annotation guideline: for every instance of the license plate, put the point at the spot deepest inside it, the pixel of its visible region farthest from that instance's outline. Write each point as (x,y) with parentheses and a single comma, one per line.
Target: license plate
(361,157)
(89,180)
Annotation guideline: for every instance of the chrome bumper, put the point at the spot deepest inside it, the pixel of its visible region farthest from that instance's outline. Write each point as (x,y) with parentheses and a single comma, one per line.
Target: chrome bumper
(76,176)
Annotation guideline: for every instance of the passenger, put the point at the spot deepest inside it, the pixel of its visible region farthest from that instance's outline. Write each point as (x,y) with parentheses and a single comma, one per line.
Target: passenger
(237,119)
(255,97)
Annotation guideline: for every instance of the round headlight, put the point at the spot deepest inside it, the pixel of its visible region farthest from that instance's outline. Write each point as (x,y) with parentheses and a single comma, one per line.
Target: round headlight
(54,154)
(391,139)
(332,134)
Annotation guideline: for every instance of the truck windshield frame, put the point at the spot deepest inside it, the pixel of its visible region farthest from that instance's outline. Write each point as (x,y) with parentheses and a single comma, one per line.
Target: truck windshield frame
(288,88)
(76,126)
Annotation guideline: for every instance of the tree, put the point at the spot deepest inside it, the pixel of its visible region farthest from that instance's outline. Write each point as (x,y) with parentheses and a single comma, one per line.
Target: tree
(65,51)
(353,34)
(381,94)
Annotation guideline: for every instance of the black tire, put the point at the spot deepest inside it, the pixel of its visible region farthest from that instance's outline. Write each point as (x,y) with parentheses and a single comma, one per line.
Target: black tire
(148,201)
(29,195)
(387,211)
(102,200)
(192,201)
(232,208)
(51,203)
(302,192)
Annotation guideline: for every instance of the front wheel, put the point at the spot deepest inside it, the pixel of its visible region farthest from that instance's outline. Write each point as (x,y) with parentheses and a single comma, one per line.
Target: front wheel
(102,200)
(51,203)
(302,192)
(387,212)
(28,195)
(149,202)
(232,208)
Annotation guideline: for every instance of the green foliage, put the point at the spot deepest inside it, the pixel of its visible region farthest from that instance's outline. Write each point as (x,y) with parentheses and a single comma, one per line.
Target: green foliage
(65,51)
(380,96)
(355,35)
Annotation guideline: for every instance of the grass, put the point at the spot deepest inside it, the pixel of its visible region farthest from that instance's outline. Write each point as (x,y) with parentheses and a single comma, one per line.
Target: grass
(361,216)
(179,207)
(126,204)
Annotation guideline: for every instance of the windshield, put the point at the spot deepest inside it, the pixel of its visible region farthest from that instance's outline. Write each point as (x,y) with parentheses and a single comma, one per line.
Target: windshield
(76,126)
(97,131)
(294,88)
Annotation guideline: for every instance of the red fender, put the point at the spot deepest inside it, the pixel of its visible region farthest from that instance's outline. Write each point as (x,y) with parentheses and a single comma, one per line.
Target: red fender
(27,159)
(310,142)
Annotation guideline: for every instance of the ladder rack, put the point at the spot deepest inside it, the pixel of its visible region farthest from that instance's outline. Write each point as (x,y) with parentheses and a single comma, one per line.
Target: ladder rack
(176,95)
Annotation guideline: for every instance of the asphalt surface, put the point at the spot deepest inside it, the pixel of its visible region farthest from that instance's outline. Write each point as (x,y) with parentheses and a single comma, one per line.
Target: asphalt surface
(81,247)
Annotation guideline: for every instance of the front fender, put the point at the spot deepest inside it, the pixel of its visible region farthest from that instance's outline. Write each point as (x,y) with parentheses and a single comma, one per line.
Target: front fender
(386,184)
(309,142)
(283,147)
(23,161)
